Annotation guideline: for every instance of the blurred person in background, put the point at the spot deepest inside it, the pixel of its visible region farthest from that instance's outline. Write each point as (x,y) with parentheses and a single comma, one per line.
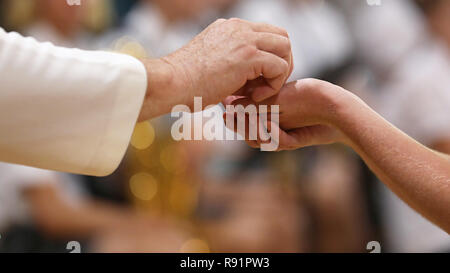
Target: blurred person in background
(437,13)
(163,26)
(57,22)
(42,210)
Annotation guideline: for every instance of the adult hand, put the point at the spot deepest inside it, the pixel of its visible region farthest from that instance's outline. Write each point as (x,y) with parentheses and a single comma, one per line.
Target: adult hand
(218,63)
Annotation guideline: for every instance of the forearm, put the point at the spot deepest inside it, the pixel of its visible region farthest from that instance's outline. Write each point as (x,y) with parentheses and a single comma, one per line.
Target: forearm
(417,174)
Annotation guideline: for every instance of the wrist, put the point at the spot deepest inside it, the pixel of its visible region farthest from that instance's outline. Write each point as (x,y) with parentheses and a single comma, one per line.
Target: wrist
(350,111)
(163,91)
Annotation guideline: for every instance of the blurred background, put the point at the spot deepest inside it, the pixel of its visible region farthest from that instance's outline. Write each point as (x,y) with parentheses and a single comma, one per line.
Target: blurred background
(220,196)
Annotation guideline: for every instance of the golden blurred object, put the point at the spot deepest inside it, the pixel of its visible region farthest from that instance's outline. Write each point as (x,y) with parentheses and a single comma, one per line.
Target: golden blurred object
(99,14)
(195,245)
(143,136)
(169,165)
(143,186)
(128,46)
(183,197)
(146,158)
(174,159)
(20,13)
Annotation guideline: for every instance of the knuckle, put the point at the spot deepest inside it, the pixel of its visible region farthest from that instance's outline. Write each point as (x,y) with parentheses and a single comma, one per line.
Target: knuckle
(219,21)
(310,84)
(235,19)
(286,45)
(281,67)
(239,23)
(252,38)
(284,32)
(249,51)
(289,45)
(233,23)
(285,66)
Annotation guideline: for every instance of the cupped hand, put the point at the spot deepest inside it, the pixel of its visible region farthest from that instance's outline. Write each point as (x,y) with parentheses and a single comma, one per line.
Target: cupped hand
(307,114)
(227,54)
(217,63)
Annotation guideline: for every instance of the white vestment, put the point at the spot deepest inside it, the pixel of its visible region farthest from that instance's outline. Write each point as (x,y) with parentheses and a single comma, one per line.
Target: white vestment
(66,109)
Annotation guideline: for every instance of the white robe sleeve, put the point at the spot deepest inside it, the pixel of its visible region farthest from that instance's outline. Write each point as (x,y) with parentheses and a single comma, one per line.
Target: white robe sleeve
(66,109)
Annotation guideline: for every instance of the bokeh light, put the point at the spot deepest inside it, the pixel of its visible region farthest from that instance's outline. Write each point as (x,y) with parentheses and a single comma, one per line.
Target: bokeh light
(143,136)
(195,245)
(174,158)
(143,186)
